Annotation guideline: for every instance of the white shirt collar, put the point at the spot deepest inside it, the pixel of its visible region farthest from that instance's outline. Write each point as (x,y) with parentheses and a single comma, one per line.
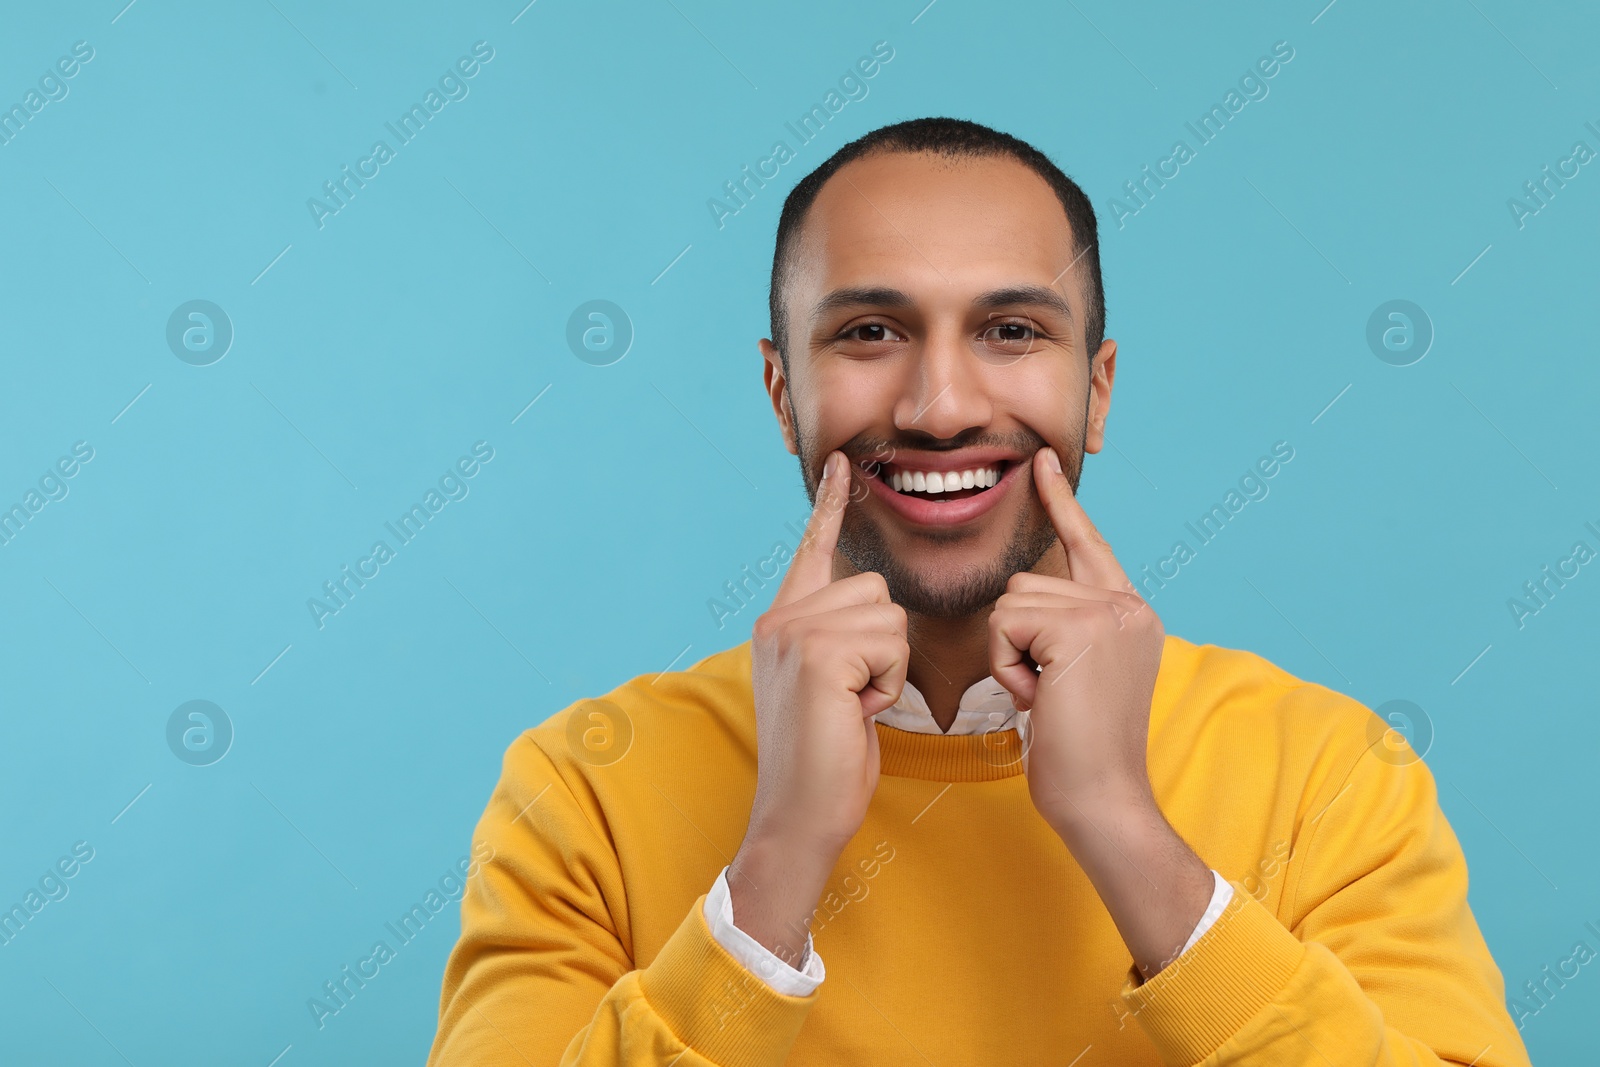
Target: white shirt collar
(985,706)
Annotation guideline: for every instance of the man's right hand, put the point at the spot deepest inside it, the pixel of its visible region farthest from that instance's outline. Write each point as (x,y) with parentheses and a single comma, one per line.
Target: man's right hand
(825,657)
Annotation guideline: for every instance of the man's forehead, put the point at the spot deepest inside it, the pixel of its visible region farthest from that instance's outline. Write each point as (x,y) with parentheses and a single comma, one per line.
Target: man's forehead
(919,221)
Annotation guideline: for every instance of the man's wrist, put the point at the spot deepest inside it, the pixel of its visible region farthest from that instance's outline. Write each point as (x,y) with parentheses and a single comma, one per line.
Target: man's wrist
(1152,883)
(774,888)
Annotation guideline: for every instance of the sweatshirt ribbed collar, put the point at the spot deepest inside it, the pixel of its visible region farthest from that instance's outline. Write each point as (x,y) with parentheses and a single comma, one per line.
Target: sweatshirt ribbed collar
(988,740)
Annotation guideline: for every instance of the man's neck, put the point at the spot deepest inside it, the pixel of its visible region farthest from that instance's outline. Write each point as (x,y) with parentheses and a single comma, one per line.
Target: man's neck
(947,657)
(950,655)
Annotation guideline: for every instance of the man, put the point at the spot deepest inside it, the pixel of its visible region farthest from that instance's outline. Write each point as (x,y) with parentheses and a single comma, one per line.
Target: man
(959,756)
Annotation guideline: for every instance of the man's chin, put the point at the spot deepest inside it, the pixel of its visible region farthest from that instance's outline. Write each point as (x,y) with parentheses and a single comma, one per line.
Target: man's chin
(943,598)
(940,584)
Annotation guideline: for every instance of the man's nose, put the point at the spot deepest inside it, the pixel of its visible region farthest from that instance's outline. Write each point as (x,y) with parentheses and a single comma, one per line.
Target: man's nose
(945,391)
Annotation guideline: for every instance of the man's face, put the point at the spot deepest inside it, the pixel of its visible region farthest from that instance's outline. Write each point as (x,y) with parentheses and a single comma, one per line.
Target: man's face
(936,325)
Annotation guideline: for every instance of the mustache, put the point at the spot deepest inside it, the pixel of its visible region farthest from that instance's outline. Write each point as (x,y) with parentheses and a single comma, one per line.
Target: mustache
(871,453)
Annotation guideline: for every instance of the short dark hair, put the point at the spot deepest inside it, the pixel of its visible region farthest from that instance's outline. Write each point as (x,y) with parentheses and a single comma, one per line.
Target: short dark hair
(956,138)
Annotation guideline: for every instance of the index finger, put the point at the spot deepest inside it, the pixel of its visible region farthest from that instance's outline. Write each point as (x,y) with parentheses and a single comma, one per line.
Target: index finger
(1089,557)
(811,568)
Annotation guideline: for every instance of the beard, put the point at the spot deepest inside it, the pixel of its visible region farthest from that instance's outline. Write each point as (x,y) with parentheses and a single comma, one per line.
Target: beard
(972,589)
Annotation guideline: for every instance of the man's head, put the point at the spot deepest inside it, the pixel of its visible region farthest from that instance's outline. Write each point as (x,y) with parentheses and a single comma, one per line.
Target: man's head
(937,306)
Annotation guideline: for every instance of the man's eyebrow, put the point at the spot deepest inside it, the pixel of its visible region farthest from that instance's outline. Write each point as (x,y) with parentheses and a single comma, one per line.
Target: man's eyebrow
(885,297)
(868,296)
(1036,295)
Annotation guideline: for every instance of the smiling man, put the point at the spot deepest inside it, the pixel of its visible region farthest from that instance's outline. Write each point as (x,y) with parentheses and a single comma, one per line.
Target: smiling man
(959,756)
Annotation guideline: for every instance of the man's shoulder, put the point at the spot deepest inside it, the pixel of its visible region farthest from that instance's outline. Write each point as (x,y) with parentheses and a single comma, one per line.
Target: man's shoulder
(668,715)
(1239,738)
(1207,687)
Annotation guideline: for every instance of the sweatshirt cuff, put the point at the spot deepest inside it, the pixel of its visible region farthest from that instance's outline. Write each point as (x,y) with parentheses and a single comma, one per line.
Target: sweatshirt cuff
(717,1006)
(1206,995)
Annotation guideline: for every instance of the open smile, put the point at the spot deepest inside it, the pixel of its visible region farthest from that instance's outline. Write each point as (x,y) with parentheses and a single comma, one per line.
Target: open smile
(946,496)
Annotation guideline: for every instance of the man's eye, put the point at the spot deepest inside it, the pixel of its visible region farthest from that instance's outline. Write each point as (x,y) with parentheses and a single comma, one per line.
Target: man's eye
(868,331)
(1008,335)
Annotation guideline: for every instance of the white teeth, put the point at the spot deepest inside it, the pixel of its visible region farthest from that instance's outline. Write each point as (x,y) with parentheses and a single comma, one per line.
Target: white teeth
(943,481)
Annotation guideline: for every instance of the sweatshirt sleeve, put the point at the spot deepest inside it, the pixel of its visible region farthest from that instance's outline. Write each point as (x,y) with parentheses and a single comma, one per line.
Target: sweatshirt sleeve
(544,970)
(1373,958)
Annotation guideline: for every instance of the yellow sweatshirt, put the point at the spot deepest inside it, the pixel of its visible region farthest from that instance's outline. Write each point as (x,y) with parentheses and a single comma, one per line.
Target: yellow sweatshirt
(957,928)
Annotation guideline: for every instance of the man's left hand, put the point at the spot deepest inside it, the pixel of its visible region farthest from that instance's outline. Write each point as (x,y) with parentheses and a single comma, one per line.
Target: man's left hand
(1098,648)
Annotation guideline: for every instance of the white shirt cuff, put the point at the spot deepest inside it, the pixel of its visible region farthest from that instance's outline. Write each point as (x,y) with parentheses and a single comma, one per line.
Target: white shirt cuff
(755,956)
(1219,900)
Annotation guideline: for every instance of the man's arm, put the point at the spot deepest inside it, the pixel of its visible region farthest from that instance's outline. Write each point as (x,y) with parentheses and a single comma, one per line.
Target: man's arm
(1082,651)
(1377,960)
(542,974)
(1373,956)
(539,945)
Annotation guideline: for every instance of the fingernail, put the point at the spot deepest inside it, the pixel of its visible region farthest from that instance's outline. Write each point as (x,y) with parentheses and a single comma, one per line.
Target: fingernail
(1053,459)
(830,465)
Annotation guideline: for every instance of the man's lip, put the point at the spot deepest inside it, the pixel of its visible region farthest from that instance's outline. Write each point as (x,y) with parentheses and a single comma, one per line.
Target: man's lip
(966,459)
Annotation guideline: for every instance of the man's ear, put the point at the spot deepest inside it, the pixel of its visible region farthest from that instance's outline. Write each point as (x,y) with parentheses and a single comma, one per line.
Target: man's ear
(777,386)
(1102,372)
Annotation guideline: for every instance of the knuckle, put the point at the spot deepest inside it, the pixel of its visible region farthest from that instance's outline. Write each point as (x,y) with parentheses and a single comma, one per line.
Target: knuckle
(809,640)
(810,644)
(1135,606)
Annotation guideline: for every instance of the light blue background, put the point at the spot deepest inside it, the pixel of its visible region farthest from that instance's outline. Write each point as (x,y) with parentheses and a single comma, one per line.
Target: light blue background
(371,353)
